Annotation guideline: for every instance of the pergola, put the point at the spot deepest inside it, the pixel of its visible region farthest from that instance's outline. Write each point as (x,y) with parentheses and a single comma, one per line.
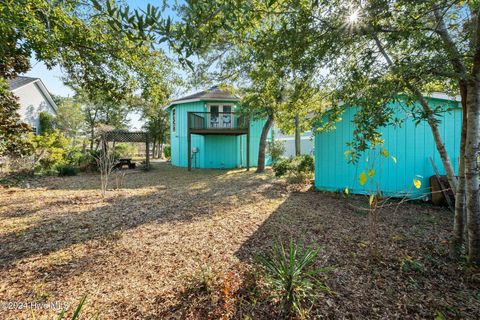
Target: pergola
(129,136)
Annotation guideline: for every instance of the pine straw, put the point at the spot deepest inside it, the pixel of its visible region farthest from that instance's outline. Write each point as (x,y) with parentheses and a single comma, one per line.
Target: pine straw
(138,253)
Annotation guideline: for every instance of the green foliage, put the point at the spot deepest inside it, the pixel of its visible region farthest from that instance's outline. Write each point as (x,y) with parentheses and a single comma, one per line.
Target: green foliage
(300,166)
(88,162)
(50,149)
(47,122)
(276,149)
(70,120)
(114,73)
(74,156)
(305,163)
(158,126)
(13,134)
(290,273)
(77,312)
(67,170)
(282,166)
(125,150)
(167,151)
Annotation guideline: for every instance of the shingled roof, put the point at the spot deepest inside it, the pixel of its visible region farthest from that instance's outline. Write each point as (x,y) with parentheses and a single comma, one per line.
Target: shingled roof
(20,81)
(214,93)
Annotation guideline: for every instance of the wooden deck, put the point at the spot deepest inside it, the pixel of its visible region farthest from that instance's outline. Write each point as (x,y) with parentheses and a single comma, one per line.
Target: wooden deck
(219,123)
(220,131)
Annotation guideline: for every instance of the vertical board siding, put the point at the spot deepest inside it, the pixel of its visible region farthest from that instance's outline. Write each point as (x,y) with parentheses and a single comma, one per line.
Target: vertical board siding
(412,145)
(215,151)
(178,139)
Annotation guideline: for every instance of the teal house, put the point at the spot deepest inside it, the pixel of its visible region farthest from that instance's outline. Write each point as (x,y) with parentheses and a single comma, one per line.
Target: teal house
(206,131)
(404,156)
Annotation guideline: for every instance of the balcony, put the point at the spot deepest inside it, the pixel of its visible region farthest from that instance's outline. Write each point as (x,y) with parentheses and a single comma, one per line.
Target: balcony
(219,123)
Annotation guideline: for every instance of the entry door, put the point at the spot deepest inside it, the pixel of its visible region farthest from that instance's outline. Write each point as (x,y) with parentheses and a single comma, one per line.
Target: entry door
(227,116)
(214,116)
(220,116)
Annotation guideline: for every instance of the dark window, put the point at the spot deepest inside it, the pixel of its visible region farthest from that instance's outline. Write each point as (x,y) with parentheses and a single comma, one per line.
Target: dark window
(174,120)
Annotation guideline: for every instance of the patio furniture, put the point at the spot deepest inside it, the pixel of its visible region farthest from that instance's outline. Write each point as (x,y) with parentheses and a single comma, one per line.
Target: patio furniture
(125,162)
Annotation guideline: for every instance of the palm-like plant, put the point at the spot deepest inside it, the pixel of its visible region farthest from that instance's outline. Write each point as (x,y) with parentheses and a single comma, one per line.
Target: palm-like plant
(290,274)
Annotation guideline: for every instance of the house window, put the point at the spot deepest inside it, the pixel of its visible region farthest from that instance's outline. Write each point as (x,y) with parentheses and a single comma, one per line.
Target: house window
(34,130)
(174,120)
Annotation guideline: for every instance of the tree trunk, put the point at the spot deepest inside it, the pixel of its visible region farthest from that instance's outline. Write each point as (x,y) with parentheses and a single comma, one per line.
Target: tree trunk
(447,164)
(92,137)
(472,172)
(297,136)
(154,148)
(459,230)
(263,143)
(460,213)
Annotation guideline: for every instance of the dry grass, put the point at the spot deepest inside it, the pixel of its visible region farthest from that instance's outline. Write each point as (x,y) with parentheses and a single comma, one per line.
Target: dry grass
(136,252)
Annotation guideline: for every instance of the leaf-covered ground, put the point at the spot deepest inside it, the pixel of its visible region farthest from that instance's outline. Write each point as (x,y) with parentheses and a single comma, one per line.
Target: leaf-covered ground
(136,253)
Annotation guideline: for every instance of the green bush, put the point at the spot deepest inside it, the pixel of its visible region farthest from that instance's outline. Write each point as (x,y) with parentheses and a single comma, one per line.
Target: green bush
(289,273)
(167,151)
(50,149)
(298,169)
(282,166)
(67,170)
(276,149)
(305,164)
(74,156)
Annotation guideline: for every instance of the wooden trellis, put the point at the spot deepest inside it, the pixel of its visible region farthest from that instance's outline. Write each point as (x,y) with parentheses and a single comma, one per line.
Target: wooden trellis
(129,136)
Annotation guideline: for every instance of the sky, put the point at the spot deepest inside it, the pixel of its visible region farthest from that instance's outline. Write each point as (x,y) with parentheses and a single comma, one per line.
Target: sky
(52,78)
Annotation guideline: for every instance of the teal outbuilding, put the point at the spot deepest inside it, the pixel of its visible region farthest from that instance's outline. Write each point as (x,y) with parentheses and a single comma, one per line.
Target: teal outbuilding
(404,156)
(207,131)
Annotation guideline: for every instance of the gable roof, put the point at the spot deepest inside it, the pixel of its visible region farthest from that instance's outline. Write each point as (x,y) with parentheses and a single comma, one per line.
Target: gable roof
(212,94)
(21,81)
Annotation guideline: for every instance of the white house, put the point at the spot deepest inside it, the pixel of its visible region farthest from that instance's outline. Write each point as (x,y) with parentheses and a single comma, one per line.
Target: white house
(34,98)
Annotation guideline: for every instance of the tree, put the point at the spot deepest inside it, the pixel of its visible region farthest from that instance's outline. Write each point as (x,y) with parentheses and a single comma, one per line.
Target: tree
(158,128)
(299,114)
(13,134)
(94,54)
(70,119)
(411,42)
(100,112)
(260,52)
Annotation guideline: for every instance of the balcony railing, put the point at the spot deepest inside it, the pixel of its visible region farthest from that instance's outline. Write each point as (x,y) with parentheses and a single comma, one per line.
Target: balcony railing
(217,121)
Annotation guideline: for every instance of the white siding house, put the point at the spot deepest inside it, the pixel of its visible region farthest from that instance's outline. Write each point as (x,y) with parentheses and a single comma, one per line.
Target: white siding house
(34,98)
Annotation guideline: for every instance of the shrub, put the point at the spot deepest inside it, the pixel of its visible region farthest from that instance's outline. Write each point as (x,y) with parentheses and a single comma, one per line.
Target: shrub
(282,166)
(298,169)
(67,170)
(74,156)
(305,164)
(50,149)
(276,149)
(47,123)
(167,151)
(290,275)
